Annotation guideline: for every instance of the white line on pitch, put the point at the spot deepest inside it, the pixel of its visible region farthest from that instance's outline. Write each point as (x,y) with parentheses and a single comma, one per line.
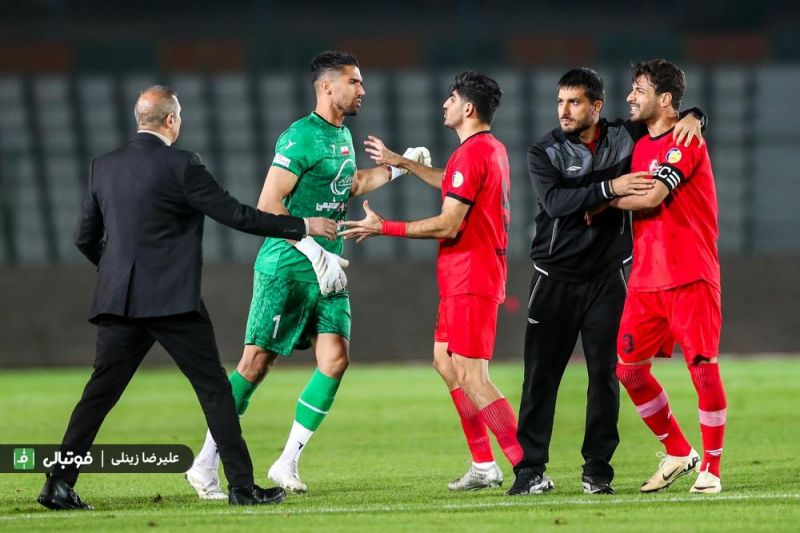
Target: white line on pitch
(519,501)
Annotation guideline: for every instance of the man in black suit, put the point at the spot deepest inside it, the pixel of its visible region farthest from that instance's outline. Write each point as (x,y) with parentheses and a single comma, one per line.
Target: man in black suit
(141,223)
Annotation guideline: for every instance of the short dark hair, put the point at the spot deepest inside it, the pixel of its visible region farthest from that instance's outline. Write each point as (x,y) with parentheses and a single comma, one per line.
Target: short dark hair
(664,76)
(586,79)
(331,60)
(481,91)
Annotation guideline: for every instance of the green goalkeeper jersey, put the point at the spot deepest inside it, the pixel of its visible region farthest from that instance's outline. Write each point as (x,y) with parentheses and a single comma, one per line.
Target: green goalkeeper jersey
(322,157)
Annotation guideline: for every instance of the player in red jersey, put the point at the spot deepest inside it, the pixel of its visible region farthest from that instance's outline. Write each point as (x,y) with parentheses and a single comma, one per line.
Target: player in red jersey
(674,287)
(471,268)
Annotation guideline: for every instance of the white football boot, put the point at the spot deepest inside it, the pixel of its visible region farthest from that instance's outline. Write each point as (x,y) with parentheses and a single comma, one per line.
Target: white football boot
(671,468)
(285,475)
(206,482)
(478,478)
(706,483)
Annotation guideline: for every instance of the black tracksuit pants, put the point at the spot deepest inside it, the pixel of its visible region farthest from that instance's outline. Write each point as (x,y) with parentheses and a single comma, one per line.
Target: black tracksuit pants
(122,344)
(557,312)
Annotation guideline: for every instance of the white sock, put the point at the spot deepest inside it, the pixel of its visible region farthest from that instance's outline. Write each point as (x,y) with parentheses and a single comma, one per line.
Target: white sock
(483,466)
(208,458)
(298,438)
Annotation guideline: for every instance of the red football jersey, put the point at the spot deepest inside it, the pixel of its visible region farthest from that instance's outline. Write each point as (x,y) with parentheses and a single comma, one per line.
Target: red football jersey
(474,262)
(675,243)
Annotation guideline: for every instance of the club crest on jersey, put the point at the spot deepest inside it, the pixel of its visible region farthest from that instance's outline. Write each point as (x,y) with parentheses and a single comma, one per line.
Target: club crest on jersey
(458,179)
(655,166)
(674,155)
(343,180)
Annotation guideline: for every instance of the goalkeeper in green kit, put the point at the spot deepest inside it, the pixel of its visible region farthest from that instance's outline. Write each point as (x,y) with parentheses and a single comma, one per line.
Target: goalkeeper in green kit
(299,287)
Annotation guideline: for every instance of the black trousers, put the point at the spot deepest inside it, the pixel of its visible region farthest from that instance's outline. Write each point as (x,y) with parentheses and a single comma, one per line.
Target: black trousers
(122,344)
(557,312)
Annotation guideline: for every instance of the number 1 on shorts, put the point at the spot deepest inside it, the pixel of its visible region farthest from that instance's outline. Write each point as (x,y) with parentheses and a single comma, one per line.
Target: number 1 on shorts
(277,320)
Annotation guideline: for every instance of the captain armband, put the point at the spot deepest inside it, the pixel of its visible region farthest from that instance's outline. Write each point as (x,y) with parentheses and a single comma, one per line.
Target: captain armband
(669,176)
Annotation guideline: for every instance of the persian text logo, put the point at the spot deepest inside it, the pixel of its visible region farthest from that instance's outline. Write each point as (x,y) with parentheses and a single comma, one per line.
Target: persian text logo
(344,179)
(24,458)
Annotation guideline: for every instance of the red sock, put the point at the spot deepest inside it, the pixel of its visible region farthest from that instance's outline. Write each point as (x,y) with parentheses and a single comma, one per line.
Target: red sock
(473,426)
(713,409)
(651,401)
(501,420)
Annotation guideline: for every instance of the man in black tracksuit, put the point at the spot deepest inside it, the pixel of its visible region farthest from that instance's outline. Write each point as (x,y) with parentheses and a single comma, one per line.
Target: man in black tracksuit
(578,284)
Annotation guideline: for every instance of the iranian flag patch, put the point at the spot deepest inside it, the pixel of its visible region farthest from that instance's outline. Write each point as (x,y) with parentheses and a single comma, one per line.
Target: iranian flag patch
(345,150)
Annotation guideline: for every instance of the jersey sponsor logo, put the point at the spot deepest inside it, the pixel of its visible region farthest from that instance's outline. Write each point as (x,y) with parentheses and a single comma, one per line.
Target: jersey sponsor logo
(343,181)
(458,179)
(332,206)
(282,160)
(674,155)
(289,144)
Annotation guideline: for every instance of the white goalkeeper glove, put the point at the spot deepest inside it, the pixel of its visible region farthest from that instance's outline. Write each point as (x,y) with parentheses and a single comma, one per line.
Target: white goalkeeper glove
(327,266)
(420,155)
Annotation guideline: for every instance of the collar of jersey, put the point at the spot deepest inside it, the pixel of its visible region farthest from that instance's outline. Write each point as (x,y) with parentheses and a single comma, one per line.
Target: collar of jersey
(482,132)
(317,116)
(661,135)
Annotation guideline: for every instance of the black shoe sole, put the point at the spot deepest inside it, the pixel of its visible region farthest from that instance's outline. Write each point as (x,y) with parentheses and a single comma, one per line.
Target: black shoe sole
(273,501)
(280,499)
(605,492)
(50,504)
(56,506)
(540,490)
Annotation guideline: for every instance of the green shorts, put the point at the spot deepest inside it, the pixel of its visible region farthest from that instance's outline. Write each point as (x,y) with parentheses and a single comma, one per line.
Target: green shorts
(285,314)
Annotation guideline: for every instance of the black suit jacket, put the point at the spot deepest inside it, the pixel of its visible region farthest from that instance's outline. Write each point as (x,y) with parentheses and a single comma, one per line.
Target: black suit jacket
(141,223)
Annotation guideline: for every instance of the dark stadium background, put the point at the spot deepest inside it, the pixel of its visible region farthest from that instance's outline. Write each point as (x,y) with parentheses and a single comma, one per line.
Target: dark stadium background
(70,72)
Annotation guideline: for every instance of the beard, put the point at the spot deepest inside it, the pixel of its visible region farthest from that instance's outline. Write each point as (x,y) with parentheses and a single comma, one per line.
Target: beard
(349,110)
(643,114)
(578,128)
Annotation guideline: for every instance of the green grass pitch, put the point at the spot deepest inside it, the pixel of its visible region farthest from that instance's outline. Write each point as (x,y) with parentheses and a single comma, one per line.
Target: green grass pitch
(383,456)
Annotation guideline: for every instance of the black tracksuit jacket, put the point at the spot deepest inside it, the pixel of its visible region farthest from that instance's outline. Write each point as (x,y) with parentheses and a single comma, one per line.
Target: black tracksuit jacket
(569,180)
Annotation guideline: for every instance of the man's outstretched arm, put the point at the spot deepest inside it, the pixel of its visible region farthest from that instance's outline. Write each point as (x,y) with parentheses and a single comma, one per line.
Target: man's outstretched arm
(443,226)
(205,195)
(417,161)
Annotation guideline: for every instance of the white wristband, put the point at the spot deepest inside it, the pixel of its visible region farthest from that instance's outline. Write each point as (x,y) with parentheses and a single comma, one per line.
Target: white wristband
(397,172)
(308,247)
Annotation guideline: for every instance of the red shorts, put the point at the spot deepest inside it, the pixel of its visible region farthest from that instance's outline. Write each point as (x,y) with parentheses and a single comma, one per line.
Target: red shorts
(652,322)
(468,324)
